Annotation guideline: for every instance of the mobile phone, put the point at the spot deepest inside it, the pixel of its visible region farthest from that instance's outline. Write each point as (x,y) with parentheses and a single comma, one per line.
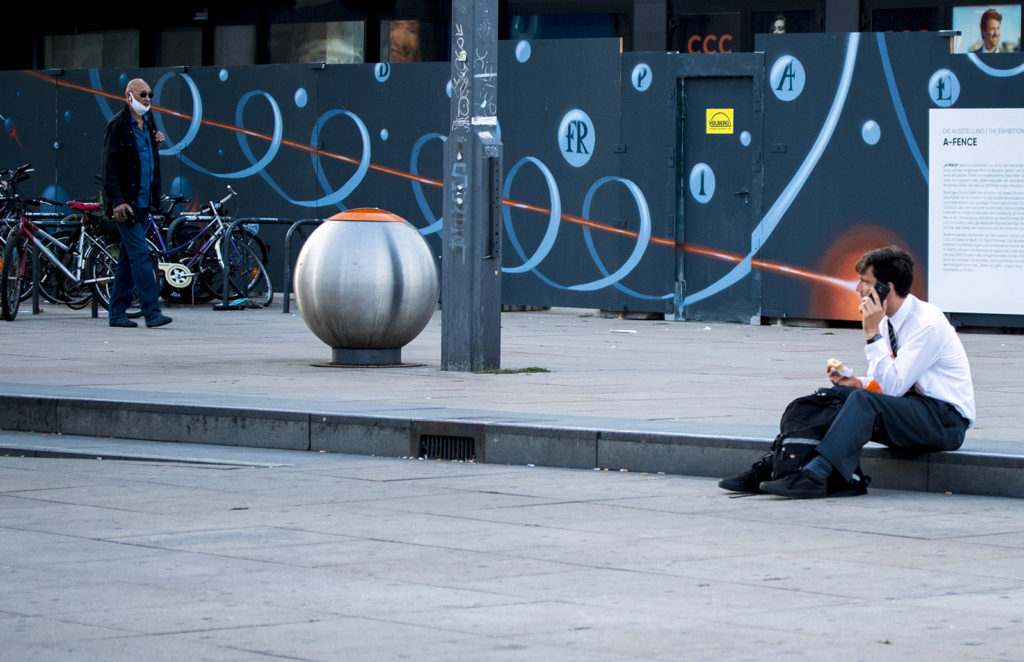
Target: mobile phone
(882,289)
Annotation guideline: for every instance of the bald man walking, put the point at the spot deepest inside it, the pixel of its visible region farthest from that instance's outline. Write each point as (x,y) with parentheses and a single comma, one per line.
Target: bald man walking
(131,185)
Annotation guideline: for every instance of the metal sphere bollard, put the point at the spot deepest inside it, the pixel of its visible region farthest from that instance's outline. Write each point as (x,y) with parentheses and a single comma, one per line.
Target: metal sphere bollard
(366,284)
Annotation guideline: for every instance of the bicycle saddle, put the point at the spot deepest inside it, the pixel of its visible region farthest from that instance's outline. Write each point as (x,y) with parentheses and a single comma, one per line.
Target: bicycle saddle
(83,206)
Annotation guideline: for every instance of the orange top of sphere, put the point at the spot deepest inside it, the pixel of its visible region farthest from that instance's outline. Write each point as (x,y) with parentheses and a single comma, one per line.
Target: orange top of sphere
(367,214)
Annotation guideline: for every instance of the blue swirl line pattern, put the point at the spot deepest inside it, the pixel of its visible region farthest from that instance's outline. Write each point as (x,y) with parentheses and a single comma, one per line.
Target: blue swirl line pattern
(434,223)
(530,263)
(771,219)
(554,218)
(642,241)
(897,105)
(992,71)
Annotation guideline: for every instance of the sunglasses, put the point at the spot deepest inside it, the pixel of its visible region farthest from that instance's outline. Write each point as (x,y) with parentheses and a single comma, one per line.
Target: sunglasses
(145,95)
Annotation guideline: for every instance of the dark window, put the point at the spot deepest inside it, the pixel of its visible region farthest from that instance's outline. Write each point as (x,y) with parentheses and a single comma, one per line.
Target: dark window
(909,19)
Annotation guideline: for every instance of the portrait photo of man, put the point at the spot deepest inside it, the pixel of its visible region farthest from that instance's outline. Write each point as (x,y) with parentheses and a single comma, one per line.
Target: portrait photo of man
(988,29)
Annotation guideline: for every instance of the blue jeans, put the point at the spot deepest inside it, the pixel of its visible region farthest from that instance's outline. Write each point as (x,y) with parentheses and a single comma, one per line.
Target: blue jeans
(134,272)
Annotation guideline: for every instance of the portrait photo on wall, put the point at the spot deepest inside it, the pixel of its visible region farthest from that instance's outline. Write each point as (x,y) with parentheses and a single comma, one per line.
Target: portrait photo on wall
(987,28)
(782,22)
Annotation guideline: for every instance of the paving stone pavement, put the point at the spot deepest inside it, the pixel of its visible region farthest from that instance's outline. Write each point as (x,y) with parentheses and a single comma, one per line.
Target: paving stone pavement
(657,375)
(230,553)
(241,554)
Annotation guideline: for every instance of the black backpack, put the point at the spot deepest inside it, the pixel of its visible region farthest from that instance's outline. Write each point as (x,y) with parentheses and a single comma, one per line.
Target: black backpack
(804,423)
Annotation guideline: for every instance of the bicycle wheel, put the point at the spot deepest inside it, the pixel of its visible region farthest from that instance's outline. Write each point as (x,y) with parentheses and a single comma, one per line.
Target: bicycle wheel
(49,287)
(27,281)
(56,286)
(11,272)
(256,243)
(76,294)
(100,268)
(247,277)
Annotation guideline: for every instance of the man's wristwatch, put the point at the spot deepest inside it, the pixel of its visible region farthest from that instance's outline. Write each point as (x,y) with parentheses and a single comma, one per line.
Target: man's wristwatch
(877,336)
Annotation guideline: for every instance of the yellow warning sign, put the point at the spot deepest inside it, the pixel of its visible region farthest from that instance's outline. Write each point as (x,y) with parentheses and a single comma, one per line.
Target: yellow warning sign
(719,120)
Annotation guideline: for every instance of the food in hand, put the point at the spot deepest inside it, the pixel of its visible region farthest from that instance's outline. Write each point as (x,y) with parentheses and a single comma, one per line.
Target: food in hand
(837,365)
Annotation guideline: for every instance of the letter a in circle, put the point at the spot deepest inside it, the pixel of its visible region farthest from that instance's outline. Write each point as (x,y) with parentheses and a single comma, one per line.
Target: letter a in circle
(787,78)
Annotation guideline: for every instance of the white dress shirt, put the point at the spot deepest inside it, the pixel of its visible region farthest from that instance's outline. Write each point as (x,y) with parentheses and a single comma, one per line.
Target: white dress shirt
(929,357)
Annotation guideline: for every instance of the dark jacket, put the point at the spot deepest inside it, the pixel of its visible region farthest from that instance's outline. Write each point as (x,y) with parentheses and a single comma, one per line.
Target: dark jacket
(121,167)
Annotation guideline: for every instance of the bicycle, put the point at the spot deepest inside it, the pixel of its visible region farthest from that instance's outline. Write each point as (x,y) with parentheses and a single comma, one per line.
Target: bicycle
(72,286)
(10,215)
(179,283)
(198,260)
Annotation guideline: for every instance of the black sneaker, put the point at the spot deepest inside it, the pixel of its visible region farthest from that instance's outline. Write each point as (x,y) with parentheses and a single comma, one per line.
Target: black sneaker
(750,480)
(800,485)
(840,487)
(122,322)
(156,320)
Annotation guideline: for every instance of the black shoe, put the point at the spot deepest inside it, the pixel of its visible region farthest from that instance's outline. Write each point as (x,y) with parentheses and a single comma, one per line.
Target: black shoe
(750,480)
(840,487)
(122,322)
(156,320)
(800,485)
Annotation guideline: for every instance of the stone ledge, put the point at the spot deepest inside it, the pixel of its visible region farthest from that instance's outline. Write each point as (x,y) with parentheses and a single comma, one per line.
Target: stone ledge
(505,442)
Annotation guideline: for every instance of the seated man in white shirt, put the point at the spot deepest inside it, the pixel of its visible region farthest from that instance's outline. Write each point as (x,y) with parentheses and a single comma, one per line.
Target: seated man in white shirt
(918,394)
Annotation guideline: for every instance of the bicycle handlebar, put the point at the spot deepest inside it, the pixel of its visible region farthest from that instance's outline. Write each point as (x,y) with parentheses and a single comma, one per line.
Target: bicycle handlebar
(19,174)
(211,205)
(35,202)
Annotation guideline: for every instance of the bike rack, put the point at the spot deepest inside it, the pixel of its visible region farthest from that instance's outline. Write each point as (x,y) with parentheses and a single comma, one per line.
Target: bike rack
(294,226)
(184,218)
(229,231)
(286,307)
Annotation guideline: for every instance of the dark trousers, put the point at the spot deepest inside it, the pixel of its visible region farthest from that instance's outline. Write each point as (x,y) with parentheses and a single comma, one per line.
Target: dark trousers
(134,272)
(911,422)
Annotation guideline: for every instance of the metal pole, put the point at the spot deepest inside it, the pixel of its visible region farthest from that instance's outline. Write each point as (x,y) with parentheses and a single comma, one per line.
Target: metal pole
(471,251)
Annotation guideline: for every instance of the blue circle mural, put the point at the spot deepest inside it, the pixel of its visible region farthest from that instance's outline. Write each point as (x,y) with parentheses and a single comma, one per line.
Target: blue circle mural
(576,138)
(944,88)
(702,183)
(871,132)
(787,78)
(641,77)
(523,51)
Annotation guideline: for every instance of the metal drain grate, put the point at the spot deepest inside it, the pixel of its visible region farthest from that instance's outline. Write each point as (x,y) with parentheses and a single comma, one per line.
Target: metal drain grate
(447,447)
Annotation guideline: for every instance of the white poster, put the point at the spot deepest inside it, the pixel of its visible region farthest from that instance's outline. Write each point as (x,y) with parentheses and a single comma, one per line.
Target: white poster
(976,210)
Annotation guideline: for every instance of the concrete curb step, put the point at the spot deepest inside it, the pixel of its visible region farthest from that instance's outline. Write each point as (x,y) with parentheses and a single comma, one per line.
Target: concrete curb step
(116,450)
(481,439)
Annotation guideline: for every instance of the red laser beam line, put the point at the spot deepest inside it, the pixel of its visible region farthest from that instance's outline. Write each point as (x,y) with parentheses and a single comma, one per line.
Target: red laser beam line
(681,246)
(238,129)
(795,272)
